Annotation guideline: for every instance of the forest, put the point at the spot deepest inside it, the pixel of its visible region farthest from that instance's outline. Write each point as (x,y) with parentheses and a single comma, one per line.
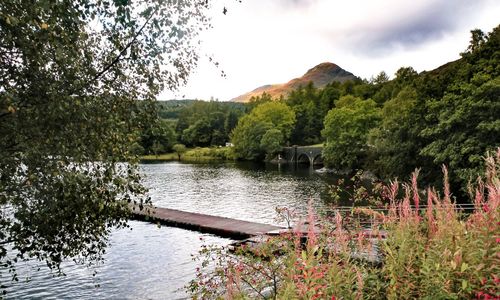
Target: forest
(447,116)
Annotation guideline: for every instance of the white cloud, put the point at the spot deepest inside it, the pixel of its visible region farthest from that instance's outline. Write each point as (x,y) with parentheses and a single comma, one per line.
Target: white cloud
(260,41)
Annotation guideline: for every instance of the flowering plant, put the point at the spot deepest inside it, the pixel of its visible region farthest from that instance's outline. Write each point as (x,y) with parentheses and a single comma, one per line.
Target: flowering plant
(421,246)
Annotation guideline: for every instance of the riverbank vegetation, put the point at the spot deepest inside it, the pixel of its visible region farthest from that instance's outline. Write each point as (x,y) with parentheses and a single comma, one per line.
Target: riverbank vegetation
(445,116)
(198,154)
(420,246)
(193,123)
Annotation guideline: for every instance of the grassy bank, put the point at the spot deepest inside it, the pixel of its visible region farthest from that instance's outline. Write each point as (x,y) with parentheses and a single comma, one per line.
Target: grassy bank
(160,157)
(205,154)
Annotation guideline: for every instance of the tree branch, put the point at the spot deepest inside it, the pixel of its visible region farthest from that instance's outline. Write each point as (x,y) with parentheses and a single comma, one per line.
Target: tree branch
(119,56)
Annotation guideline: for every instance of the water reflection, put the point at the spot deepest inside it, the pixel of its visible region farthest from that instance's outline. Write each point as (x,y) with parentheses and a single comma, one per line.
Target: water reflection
(155,263)
(144,263)
(243,191)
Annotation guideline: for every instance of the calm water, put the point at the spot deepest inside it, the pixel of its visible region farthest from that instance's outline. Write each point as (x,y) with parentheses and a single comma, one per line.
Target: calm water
(148,262)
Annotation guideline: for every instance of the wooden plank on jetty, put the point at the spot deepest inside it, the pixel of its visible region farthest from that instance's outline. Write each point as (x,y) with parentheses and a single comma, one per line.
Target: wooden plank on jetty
(221,226)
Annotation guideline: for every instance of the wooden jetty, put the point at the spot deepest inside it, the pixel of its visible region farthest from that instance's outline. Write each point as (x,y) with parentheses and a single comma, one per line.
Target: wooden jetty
(221,226)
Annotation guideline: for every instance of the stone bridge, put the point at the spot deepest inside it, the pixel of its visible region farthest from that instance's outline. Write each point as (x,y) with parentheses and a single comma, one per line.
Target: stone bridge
(303,155)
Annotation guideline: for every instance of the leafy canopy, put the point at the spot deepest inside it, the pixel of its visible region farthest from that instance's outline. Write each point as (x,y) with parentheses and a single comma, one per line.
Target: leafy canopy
(272,142)
(71,73)
(346,131)
(265,120)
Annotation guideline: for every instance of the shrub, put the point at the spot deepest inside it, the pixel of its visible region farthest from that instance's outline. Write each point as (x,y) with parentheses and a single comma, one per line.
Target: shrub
(416,248)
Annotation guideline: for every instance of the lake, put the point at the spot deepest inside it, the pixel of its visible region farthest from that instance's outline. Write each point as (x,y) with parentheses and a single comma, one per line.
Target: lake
(151,262)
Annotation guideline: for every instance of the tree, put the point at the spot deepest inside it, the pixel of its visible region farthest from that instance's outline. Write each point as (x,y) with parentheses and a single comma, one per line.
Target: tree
(272,142)
(248,134)
(208,123)
(468,127)
(306,103)
(277,114)
(198,134)
(396,141)
(179,149)
(231,121)
(71,75)
(328,96)
(381,78)
(346,132)
(246,138)
(405,77)
(258,100)
(157,138)
(477,40)
(461,123)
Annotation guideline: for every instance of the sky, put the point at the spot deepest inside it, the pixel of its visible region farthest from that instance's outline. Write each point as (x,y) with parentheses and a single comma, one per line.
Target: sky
(260,42)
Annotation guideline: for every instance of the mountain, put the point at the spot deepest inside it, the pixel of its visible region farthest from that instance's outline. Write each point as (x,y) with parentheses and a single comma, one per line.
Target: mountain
(320,76)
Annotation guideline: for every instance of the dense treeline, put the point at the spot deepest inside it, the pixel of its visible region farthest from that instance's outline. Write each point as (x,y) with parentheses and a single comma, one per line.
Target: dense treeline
(446,116)
(208,123)
(193,123)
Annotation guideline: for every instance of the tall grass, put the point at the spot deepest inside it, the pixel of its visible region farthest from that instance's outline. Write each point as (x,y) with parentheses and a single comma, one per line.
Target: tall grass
(421,247)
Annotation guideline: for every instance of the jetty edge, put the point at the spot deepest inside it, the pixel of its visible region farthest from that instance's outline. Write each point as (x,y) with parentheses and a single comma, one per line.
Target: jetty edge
(221,226)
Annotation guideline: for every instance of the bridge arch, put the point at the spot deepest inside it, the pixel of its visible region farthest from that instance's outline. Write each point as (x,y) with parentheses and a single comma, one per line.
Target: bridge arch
(310,155)
(303,158)
(317,160)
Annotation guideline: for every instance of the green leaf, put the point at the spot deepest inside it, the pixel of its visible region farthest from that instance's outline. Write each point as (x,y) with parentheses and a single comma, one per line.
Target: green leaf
(464,267)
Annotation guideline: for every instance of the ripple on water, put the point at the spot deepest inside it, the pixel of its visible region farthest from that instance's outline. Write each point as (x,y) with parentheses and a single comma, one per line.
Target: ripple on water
(144,263)
(154,263)
(231,192)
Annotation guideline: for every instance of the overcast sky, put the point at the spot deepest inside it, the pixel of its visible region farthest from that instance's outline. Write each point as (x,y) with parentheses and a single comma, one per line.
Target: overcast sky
(272,41)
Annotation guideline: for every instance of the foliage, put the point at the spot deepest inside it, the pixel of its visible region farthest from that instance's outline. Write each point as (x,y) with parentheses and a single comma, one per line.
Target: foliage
(157,138)
(258,100)
(179,149)
(272,142)
(346,132)
(71,73)
(209,154)
(465,123)
(381,78)
(170,109)
(445,116)
(395,139)
(357,190)
(414,250)
(467,126)
(251,128)
(305,102)
(207,123)
(200,133)
(439,120)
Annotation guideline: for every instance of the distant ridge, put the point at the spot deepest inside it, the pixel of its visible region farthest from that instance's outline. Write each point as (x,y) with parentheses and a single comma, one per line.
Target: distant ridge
(320,76)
